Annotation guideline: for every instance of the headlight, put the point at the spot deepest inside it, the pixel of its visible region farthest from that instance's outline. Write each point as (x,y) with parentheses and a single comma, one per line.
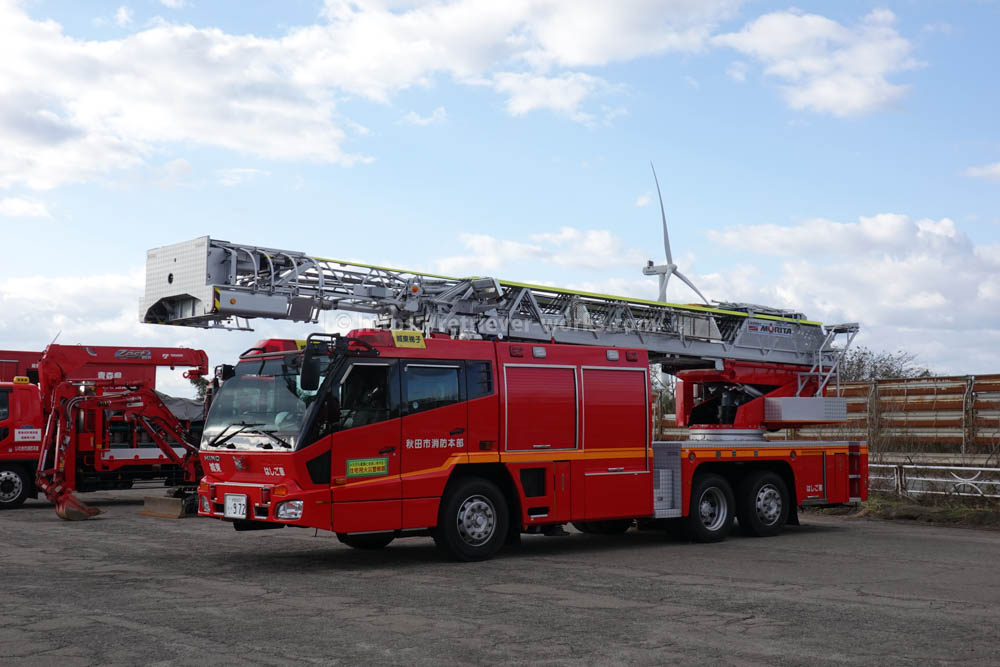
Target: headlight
(206,507)
(290,509)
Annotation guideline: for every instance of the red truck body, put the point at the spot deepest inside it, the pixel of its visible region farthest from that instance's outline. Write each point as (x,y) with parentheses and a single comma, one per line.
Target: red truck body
(110,451)
(562,432)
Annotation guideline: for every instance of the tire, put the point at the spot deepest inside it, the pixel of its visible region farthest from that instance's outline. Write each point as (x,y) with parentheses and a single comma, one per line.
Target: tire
(584,527)
(472,521)
(367,541)
(710,517)
(15,486)
(762,504)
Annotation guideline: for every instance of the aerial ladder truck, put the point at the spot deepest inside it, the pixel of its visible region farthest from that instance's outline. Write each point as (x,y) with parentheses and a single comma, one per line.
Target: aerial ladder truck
(478,409)
(92,421)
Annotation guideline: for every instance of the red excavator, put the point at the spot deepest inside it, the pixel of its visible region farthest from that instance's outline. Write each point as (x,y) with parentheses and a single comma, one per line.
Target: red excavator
(95,422)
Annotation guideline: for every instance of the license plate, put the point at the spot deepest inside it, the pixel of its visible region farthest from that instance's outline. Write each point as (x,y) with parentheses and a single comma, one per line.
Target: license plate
(236,506)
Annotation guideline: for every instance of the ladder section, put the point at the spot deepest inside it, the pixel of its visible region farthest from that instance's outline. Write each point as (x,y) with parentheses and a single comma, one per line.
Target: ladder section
(217,284)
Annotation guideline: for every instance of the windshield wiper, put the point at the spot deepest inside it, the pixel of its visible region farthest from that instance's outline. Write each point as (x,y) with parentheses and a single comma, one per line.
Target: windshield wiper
(222,437)
(271,435)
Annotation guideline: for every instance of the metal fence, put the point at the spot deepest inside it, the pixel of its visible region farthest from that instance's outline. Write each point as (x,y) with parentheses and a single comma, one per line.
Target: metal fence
(933,480)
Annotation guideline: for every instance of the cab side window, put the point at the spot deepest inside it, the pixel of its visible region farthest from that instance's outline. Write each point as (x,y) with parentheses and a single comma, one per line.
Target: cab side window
(4,405)
(432,386)
(365,396)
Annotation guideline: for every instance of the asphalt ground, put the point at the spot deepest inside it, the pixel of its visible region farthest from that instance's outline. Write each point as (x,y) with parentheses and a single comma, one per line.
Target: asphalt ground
(128,589)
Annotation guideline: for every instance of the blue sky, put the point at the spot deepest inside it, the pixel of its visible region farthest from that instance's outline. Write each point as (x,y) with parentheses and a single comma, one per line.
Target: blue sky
(841,158)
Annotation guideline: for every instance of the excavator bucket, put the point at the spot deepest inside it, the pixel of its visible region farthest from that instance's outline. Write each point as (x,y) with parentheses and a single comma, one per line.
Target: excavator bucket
(165,507)
(70,508)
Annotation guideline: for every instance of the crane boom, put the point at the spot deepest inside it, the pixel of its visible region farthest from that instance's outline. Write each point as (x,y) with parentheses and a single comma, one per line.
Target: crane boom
(211,283)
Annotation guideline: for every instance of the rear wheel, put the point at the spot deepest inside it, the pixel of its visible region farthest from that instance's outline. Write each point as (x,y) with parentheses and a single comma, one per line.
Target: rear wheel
(762,504)
(710,517)
(14,486)
(368,541)
(472,521)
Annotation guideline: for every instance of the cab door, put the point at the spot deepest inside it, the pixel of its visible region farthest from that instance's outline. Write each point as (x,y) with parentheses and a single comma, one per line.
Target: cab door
(365,452)
(435,423)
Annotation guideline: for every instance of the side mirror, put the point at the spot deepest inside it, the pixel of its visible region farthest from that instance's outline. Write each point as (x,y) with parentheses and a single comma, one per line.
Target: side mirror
(309,378)
(224,371)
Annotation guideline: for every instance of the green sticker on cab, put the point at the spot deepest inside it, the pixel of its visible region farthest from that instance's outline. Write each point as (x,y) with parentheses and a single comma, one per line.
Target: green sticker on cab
(367,467)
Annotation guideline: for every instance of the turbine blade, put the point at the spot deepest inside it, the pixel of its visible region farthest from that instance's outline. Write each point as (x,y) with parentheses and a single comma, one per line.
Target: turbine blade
(663,214)
(691,285)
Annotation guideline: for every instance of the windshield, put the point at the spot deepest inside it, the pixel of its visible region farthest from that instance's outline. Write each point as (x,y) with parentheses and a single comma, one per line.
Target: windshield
(262,406)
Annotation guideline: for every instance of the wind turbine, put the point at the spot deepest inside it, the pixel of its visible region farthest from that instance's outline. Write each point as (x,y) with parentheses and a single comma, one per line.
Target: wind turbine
(664,271)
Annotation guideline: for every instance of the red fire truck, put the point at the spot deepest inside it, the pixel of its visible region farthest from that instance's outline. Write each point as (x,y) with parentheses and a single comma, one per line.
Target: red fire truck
(499,408)
(474,442)
(110,447)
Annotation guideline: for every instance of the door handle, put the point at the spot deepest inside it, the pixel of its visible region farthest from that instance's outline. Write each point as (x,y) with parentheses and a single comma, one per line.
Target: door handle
(456,431)
(386,450)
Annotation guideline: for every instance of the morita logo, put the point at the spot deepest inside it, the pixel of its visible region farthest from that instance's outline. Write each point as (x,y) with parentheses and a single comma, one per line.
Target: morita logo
(769,328)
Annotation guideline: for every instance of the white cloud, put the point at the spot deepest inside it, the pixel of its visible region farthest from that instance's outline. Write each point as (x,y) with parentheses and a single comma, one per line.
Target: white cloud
(562,94)
(643,200)
(437,116)
(691,81)
(14,207)
(110,105)
(123,17)
(918,285)
(239,175)
(990,172)
(173,4)
(487,253)
(825,66)
(569,247)
(884,232)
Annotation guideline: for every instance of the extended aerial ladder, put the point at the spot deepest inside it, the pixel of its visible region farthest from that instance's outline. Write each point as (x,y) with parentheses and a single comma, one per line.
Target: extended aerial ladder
(742,370)
(210,283)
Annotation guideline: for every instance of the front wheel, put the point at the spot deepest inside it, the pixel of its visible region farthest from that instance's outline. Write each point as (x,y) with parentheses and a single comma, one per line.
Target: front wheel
(14,486)
(366,541)
(472,522)
(710,517)
(762,505)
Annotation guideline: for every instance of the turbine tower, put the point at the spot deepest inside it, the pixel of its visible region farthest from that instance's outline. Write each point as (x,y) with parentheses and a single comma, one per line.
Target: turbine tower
(664,271)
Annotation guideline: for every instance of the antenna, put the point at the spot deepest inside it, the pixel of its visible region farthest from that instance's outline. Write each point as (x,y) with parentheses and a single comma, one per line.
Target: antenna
(664,271)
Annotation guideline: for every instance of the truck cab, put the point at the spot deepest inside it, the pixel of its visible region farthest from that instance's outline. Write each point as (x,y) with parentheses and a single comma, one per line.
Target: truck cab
(21,426)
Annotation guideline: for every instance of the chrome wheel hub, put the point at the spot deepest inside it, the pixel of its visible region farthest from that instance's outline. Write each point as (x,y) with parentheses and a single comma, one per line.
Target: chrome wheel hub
(768,504)
(476,520)
(712,509)
(10,486)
